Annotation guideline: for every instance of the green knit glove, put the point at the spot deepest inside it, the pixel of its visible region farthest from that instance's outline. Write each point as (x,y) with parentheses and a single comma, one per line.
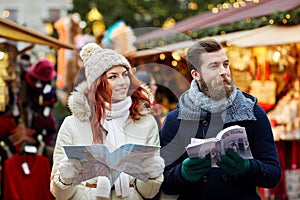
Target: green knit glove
(192,169)
(234,164)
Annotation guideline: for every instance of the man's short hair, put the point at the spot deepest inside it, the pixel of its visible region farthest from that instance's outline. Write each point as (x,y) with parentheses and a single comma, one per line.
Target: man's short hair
(205,45)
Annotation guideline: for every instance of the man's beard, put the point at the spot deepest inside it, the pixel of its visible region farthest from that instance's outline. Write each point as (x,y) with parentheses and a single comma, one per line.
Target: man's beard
(217,90)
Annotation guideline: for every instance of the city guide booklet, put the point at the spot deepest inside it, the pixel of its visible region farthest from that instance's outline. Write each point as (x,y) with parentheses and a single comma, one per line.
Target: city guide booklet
(98,160)
(233,137)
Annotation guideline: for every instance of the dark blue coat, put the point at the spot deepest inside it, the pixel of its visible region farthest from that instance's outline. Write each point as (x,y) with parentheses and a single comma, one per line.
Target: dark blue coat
(264,172)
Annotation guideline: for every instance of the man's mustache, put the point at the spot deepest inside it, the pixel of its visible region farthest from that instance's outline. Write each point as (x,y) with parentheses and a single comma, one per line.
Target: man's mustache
(227,79)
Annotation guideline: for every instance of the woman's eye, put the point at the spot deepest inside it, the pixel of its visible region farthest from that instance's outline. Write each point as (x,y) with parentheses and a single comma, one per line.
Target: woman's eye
(126,75)
(112,77)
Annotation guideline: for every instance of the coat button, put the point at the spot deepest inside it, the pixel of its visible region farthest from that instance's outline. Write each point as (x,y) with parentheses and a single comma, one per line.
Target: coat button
(204,123)
(224,177)
(205,179)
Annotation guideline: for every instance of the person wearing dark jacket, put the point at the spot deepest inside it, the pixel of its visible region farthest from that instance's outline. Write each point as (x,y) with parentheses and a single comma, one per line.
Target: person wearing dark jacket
(212,103)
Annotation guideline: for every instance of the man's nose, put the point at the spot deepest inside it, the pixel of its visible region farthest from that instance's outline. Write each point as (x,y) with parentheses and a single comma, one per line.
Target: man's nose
(222,70)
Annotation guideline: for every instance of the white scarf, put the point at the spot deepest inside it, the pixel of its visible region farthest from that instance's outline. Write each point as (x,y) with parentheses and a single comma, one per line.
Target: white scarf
(114,123)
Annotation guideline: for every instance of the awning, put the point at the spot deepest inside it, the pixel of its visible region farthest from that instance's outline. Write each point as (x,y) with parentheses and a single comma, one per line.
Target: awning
(264,36)
(164,49)
(209,19)
(13,31)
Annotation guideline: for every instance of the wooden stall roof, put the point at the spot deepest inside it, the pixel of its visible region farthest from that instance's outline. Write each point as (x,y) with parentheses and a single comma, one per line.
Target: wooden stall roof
(14,31)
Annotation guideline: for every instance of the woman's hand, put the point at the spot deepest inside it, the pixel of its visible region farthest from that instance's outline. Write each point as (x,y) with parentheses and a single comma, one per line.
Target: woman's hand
(69,169)
(154,166)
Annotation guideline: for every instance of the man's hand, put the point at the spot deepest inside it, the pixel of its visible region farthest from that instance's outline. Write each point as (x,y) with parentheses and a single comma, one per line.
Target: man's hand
(193,169)
(234,164)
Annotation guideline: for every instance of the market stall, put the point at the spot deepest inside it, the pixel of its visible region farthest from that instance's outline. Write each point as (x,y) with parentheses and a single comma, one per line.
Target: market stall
(11,33)
(266,63)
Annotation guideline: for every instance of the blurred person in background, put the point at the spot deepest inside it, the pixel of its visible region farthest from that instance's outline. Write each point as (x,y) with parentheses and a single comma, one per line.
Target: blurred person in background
(38,96)
(150,82)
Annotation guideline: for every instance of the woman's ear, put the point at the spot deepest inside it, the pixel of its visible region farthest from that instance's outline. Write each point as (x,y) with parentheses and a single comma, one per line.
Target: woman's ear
(195,74)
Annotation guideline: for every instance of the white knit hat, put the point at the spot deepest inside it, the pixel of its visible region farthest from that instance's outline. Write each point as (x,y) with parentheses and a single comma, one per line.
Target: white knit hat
(97,61)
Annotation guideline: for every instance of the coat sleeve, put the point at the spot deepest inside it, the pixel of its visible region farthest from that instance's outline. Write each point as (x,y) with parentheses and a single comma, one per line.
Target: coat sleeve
(149,189)
(64,137)
(60,191)
(173,152)
(265,169)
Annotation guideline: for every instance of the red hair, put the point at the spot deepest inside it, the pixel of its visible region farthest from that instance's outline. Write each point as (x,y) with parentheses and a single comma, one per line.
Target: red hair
(103,93)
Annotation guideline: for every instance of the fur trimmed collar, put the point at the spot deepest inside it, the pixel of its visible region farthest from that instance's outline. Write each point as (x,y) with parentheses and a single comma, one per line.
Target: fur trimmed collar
(78,103)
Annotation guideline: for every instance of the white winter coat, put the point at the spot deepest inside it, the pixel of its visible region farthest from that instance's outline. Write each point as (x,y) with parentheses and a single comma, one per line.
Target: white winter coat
(74,131)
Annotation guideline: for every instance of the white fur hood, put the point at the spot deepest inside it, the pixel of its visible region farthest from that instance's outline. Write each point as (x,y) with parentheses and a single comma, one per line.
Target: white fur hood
(78,104)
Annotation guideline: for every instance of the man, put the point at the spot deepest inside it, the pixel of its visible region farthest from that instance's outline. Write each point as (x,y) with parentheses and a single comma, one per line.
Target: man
(213,103)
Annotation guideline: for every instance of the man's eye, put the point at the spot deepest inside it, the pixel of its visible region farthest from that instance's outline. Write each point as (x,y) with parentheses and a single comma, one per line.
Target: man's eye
(226,64)
(213,66)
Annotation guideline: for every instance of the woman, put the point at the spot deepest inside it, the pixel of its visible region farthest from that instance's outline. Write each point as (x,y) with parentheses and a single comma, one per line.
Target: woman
(112,109)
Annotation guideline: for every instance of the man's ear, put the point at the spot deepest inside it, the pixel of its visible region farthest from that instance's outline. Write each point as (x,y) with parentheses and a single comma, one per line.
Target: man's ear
(195,74)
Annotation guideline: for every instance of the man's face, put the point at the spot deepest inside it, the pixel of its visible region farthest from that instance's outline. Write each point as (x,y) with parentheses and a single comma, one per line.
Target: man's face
(214,78)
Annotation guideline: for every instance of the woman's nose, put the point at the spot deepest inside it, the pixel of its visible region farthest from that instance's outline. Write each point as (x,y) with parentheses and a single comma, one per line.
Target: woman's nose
(121,80)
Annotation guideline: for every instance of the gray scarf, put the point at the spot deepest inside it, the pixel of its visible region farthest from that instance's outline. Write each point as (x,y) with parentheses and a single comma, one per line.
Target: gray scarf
(195,105)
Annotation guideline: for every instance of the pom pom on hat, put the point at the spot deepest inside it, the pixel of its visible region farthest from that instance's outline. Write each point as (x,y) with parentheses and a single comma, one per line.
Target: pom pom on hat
(87,50)
(97,61)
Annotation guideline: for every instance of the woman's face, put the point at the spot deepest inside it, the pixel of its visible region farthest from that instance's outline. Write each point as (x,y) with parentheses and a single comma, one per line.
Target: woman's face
(118,79)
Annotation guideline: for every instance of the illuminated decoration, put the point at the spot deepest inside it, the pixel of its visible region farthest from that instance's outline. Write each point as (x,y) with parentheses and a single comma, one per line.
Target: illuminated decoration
(3,75)
(174,63)
(284,21)
(94,15)
(49,28)
(4,62)
(98,28)
(193,6)
(232,4)
(3,95)
(276,56)
(51,57)
(169,23)
(96,18)
(5,14)
(280,18)
(2,55)
(215,10)
(162,56)
(176,56)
